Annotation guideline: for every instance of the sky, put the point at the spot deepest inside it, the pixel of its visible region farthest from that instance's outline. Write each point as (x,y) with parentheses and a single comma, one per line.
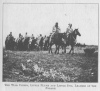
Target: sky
(40,18)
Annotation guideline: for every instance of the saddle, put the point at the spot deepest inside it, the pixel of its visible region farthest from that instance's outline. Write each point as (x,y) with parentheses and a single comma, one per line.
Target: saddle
(54,35)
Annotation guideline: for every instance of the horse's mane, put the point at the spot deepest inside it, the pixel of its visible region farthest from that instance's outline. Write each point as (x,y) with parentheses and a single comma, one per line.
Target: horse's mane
(74,31)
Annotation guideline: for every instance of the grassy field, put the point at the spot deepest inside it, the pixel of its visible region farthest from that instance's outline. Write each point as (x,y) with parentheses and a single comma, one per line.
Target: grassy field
(40,66)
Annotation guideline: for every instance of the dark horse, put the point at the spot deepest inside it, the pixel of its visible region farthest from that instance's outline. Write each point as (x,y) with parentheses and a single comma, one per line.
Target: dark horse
(71,40)
(32,44)
(26,43)
(20,44)
(41,44)
(10,43)
(57,40)
(23,44)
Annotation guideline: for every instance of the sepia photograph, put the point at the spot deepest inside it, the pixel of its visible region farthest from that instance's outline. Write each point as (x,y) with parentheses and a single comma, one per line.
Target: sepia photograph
(50,42)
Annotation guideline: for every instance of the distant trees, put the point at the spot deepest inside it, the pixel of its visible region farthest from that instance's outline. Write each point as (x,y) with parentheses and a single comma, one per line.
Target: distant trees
(80,45)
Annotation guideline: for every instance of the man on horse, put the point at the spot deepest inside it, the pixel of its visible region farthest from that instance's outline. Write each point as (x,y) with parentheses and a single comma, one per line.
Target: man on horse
(20,37)
(10,40)
(26,35)
(56,29)
(32,37)
(69,31)
(10,35)
(40,37)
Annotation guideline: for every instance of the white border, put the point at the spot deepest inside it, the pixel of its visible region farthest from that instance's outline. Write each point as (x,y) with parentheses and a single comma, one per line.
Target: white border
(18,88)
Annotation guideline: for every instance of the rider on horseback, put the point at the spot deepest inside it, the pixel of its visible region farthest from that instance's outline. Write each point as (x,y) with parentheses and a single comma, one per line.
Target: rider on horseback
(55,30)
(69,30)
(40,36)
(10,35)
(20,37)
(26,35)
(32,37)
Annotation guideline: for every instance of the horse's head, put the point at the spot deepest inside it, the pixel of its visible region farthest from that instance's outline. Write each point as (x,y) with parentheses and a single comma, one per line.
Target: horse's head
(76,32)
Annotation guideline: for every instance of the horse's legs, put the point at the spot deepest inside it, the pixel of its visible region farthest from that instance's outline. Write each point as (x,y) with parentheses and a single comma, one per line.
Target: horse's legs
(64,49)
(70,50)
(50,49)
(40,48)
(58,49)
(47,46)
(73,49)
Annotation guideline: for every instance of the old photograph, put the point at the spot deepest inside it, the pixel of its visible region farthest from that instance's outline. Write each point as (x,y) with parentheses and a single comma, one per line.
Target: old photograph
(50,42)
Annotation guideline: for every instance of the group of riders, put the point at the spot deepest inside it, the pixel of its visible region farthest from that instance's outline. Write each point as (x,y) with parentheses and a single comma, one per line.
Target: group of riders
(25,42)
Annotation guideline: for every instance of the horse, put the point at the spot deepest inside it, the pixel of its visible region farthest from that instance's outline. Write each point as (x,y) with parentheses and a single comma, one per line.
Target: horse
(19,44)
(7,43)
(10,43)
(71,40)
(26,43)
(57,40)
(32,43)
(46,43)
(39,43)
